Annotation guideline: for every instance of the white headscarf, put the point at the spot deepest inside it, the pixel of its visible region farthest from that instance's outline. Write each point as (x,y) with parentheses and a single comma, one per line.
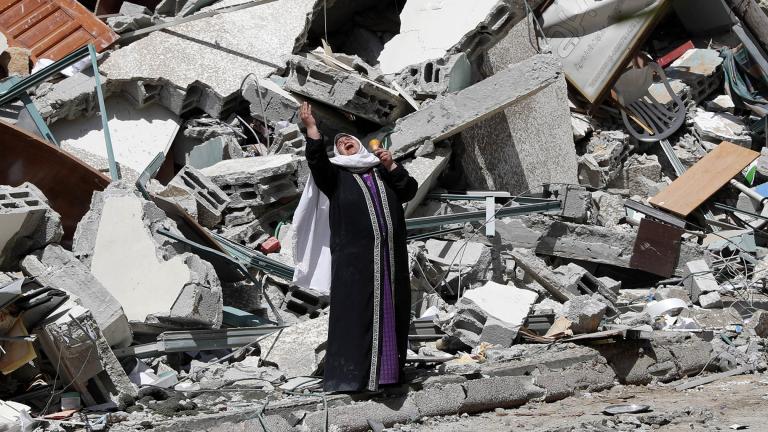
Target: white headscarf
(312,239)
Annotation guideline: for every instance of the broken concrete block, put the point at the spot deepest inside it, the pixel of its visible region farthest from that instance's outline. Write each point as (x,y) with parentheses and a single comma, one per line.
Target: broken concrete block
(250,234)
(175,194)
(718,127)
(432,78)
(15,61)
(498,333)
(72,335)
(211,200)
(58,268)
(672,292)
(610,208)
(152,276)
(637,169)
(700,69)
(759,323)
(722,103)
(298,350)
(547,304)
(426,170)
(535,129)
(289,140)
(131,17)
(257,181)
(455,27)
(468,260)
(610,284)
(576,203)
(71,98)
(584,312)
(27,223)
(202,154)
(231,45)
(503,302)
(699,279)
(455,112)
(270,104)
(711,300)
(344,90)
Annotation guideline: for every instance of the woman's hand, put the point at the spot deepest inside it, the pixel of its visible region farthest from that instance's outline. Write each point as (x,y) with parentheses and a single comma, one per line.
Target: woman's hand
(305,114)
(386,159)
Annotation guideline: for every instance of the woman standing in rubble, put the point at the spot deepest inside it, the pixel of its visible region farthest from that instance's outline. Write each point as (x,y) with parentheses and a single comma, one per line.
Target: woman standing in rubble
(351,240)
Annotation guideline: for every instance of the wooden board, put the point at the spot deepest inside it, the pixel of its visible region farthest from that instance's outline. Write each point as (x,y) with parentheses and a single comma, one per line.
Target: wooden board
(704,178)
(67,183)
(52,28)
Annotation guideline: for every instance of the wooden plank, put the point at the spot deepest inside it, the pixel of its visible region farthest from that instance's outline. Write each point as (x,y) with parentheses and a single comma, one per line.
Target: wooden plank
(704,178)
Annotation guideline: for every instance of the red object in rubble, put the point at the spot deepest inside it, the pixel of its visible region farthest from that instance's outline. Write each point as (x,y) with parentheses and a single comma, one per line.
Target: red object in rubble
(675,54)
(271,245)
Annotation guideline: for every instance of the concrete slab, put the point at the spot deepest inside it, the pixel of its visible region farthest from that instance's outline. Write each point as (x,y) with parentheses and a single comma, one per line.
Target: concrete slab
(503,302)
(230,46)
(150,275)
(426,170)
(137,134)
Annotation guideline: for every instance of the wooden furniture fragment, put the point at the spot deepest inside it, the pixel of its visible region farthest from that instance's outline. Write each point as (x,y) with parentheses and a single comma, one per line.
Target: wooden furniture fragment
(52,29)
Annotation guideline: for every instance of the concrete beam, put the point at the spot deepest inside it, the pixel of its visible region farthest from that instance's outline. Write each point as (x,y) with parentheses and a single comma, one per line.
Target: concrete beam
(455,112)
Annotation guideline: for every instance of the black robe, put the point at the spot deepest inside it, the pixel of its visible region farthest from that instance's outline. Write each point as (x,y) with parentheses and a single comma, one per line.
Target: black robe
(353,343)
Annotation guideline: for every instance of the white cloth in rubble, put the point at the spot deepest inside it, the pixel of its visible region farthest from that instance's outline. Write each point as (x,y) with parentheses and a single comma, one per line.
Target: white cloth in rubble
(312,240)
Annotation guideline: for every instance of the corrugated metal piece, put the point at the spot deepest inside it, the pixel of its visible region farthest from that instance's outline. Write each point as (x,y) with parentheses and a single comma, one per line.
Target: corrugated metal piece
(52,28)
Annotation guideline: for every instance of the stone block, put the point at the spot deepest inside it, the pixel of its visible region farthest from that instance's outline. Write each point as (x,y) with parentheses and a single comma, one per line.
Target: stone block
(470,260)
(155,278)
(289,140)
(72,98)
(609,207)
(27,223)
(355,417)
(344,90)
(58,268)
(211,200)
(576,203)
(711,300)
(698,279)
(15,61)
(426,170)
(257,181)
(584,313)
(535,132)
(637,169)
(499,333)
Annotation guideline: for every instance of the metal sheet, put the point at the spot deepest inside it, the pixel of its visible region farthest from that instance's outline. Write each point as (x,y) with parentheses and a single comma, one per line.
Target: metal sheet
(657,248)
(67,183)
(52,28)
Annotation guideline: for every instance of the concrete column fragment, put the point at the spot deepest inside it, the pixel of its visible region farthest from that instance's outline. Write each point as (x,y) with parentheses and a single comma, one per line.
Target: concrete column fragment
(58,268)
(26,223)
(211,200)
(344,90)
(455,112)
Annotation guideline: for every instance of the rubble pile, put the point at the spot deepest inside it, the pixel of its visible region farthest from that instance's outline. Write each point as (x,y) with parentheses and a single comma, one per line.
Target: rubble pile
(591,204)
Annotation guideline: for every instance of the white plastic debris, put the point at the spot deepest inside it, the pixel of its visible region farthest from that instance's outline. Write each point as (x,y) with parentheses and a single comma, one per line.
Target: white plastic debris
(14,417)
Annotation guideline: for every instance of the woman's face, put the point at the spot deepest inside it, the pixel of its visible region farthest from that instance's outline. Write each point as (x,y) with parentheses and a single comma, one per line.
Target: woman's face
(346,145)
